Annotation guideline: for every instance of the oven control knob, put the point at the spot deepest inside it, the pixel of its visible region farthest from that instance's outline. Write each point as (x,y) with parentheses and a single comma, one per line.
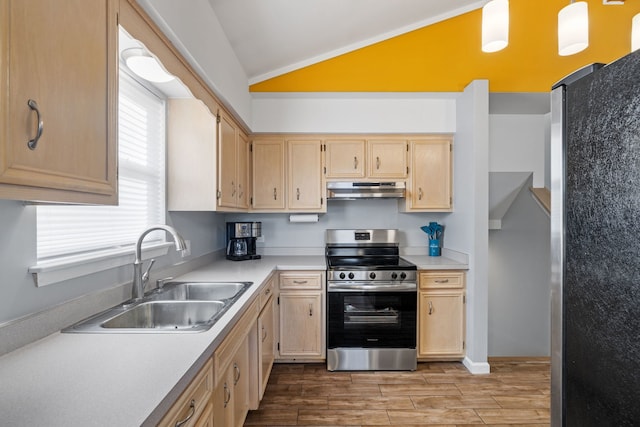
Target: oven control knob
(351,276)
(403,275)
(394,276)
(342,275)
(372,275)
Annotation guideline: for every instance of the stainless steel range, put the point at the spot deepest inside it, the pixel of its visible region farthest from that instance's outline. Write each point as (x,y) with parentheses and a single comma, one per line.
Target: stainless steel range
(371,302)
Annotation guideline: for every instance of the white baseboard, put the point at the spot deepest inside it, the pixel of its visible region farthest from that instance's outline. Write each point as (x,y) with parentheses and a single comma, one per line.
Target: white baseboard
(476,368)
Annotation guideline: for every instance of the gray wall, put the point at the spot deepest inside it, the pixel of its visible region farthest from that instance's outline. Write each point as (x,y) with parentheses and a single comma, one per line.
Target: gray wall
(20,296)
(519,287)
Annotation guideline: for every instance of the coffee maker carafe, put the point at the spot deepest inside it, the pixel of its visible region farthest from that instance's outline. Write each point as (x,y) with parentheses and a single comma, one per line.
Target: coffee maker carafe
(241,240)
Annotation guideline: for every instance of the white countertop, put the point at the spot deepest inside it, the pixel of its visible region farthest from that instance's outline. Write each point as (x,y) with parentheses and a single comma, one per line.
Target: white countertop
(131,379)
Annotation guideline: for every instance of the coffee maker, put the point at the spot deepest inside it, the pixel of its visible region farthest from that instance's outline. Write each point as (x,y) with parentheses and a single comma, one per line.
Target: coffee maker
(241,240)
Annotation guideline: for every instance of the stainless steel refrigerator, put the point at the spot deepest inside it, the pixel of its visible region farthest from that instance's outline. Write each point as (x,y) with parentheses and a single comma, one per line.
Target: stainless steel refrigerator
(595,246)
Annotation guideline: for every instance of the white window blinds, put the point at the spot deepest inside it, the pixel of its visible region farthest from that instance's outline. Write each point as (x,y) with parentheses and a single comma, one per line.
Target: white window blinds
(75,230)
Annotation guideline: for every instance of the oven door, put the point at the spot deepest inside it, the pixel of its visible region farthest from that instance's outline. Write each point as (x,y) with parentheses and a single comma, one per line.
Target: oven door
(371,319)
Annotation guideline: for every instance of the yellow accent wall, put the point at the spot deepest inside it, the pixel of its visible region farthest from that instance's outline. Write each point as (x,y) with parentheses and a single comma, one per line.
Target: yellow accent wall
(446,56)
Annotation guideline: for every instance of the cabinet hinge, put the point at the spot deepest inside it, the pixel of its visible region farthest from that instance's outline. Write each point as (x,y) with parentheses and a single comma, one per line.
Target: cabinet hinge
(450,147)
(325,170)
(251,200)
(251,147)
(407,169)
(278,304)
(321,201)
(218,194)
(463,345)
(278,346)
(218,119)
(407,148)
(464,299)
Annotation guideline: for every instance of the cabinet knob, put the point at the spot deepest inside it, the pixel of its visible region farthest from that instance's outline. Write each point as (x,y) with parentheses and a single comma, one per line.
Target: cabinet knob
(33,143)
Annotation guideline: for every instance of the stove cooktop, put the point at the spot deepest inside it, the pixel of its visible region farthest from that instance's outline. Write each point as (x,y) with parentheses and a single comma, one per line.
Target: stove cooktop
(369,263)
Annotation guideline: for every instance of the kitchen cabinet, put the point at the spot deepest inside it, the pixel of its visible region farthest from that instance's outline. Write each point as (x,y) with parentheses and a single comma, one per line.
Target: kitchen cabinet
(192,157)
(301,306)
(441,315)
(304,179)
(268,179)
(429,188)
(373,158)
(59,107)
(232,372)
(345,158)
(266,340)
(193,407)
(387,159)
(233,173)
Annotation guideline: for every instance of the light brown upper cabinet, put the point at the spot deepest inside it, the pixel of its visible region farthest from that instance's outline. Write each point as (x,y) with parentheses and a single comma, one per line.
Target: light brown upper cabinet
(191,148)
(304,179)
(374,158)
(58,115)
(387,159)
(430,185)
(345,158)
(268,159)
(233,174)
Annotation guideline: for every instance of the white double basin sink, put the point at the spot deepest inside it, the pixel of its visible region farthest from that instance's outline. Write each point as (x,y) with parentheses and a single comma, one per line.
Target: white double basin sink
(178,307)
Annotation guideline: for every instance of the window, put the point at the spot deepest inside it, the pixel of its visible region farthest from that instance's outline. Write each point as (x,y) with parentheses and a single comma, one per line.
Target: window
(93,231)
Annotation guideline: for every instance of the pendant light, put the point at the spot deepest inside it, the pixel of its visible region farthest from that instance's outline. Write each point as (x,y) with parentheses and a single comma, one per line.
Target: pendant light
(635,33)
(495,25)
(573,28)
(146,66)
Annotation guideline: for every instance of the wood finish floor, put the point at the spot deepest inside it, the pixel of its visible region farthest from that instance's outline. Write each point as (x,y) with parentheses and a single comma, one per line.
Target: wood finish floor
(516,392)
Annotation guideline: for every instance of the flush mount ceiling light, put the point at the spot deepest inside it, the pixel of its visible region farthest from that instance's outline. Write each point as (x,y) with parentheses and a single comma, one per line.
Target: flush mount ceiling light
(635,33)
(495,25)
(146,66)
(573,28)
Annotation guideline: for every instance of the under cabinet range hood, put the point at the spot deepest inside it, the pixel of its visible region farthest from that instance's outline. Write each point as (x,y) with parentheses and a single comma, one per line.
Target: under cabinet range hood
(342,190)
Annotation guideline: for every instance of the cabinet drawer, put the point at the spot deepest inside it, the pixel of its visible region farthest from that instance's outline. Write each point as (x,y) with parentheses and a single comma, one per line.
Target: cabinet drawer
(193,401)
(441,279)
(267,292)
(227,349)
(301,280)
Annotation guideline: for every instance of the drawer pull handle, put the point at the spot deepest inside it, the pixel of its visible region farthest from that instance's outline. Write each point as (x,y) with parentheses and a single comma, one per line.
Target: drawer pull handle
(264,334)
(310,309)
(430,308)
(300,282)
(233,189)
(33,143)
(355,162)
(420,193)
(275,193)
(267,292)
(297,193)
(227,395)
(442,281)
(192,411)
(236,376)
(377,162)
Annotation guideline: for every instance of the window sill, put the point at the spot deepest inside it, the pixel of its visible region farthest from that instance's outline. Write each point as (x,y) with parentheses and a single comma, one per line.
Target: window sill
(61,269)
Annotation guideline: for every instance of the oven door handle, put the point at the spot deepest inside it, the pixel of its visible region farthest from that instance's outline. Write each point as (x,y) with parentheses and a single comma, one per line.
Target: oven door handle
(382,287)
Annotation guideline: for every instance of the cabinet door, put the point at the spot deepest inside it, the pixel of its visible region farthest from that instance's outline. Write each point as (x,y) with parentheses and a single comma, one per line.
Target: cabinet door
(63,60)
(242,171)
(345,158)
(431,175)
(441,324)
(301,324)
(191,156)
(387,159)
(268,174)
(240,377)
(266,345)
(227,164)
(305,175)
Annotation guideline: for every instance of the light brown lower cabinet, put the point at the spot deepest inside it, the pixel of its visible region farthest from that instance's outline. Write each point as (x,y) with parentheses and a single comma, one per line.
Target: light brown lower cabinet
(301,308)
(441,315)
(193,408)
(266,345)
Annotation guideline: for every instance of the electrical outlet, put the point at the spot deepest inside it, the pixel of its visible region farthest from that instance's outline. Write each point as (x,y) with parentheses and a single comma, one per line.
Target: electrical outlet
(187,251)
(260,239)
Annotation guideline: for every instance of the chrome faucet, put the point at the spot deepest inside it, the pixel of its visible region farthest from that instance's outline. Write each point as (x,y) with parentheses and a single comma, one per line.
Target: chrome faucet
(138,283)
